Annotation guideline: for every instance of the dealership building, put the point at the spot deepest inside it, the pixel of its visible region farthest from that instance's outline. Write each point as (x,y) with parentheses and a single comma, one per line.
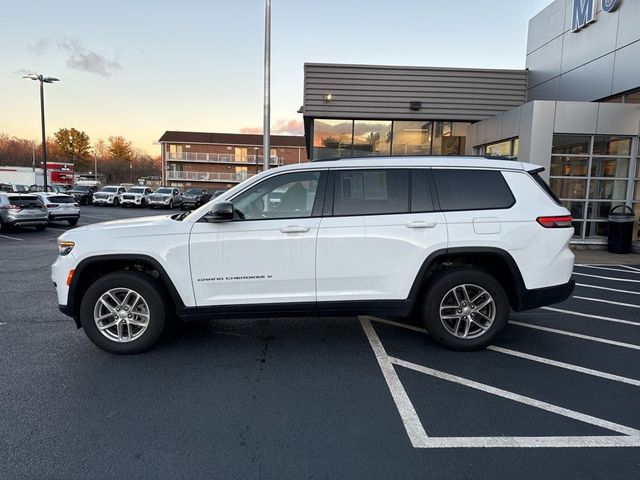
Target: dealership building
(575,109)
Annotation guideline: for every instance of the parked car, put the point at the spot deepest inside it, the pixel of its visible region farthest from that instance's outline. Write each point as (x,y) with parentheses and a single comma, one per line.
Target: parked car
(12,187)
(136,196)
(168,197)
(19,209)
(194,198)
(84,193)
(217,193)
(109,195)
(455,242)
(61,207)
(56,188)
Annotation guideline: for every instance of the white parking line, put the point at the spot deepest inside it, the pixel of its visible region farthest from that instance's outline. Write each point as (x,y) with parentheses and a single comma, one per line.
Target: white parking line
(630,268)
(608,268)
(12,238)
(622,304)
(565,412)
(577,335)
(606,288)
(408,414)
(418,436)
(533,358)
(57,229)
(607,278)
(589,315)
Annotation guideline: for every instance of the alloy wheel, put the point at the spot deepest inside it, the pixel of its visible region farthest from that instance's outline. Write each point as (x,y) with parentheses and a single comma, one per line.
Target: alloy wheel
(121,314)
(467,311)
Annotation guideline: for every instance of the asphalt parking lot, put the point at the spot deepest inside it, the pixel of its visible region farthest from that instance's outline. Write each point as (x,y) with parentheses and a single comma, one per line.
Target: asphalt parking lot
(557,396)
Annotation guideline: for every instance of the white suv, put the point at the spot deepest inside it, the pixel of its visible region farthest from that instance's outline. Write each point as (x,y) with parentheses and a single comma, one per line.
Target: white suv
(109,195)
(457,242)
(136,196)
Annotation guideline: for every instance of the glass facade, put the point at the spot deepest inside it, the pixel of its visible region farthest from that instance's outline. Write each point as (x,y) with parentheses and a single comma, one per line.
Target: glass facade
(590,175)
(346,138)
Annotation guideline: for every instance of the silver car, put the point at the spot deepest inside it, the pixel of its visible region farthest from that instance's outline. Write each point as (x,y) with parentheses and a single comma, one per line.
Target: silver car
(168,197)
(61,207)
(18,209)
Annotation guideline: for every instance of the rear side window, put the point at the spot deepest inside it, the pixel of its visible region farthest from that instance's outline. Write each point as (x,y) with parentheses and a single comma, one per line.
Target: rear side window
(371,192)
(472,189)
(421,200)
(539,180)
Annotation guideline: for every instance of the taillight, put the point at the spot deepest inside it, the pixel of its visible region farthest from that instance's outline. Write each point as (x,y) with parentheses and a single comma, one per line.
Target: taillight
(53,205)
(563,221)
(76,204)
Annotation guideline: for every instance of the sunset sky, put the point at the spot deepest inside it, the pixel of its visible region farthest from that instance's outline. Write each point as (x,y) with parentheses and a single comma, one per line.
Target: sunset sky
(139,68)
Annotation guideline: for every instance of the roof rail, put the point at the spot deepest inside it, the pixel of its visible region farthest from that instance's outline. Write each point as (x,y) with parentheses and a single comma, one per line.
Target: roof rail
(489,157)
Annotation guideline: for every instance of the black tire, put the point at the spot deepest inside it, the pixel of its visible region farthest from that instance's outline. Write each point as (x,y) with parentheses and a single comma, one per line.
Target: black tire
(40,228)
(116,202)
(438,289)
(147,287)
(170,204)
(3,227)
(73,221)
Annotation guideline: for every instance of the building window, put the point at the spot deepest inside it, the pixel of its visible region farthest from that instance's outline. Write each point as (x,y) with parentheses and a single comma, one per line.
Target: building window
(636,195)
(590,176)
(346,138)
(332,138)
(412,138)
(371,138)
(505,148)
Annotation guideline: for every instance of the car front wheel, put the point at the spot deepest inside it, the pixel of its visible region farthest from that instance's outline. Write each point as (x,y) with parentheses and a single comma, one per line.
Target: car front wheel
(465,309)
(123,312)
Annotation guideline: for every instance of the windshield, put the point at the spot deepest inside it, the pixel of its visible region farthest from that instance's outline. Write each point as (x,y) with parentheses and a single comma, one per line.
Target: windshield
(110,189)
(193,191)
(135,190)
(163,190)
(81,188)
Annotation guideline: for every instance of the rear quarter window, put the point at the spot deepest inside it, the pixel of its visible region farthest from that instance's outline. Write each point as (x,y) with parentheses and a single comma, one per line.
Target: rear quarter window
(466,189)
(371,192)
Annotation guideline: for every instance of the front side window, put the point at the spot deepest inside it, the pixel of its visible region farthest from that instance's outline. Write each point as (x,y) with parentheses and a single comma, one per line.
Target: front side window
(462,189)
(371,192)
(284,196)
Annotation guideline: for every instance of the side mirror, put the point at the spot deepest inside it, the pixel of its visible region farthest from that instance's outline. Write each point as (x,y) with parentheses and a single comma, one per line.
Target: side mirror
(220,212)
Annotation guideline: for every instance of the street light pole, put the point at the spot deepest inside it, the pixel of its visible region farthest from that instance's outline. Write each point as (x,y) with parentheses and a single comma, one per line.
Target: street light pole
(42,79)
(266,145)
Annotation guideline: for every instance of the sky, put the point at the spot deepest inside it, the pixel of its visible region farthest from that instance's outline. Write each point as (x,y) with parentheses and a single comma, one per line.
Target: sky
(139,68)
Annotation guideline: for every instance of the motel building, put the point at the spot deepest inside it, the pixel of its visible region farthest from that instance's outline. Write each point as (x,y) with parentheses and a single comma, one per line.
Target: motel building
(575,109)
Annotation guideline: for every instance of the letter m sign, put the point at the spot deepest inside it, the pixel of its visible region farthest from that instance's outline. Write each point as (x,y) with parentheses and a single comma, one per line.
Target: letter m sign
(584,12)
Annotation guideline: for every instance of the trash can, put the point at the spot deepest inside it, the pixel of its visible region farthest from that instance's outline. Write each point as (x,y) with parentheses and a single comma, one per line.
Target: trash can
(620,229)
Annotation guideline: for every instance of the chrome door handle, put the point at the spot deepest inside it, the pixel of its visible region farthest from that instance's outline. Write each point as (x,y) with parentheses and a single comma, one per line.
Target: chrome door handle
(294,229)
(421,224)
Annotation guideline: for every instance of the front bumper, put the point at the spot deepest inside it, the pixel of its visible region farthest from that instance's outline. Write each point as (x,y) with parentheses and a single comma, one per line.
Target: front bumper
(540,297)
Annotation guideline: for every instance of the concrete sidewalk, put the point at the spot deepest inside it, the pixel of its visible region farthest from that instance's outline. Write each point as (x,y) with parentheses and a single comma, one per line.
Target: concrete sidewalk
(590,256)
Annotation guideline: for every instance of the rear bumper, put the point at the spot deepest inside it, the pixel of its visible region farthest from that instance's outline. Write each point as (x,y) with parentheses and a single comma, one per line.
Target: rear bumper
(540,297)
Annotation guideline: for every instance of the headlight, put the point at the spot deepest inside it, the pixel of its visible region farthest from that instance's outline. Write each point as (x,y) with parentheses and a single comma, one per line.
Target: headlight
(64,248)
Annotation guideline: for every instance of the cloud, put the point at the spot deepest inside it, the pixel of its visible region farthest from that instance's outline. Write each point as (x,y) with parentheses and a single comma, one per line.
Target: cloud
(280,127)
(79,57)
(23,71)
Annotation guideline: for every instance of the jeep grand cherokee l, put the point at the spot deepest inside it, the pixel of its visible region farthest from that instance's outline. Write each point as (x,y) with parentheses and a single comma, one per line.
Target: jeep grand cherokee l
(455,242)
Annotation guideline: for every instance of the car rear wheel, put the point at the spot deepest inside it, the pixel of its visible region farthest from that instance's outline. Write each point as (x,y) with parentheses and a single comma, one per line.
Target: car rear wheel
(73,221)
(40,228)
(124,312)
(465,309)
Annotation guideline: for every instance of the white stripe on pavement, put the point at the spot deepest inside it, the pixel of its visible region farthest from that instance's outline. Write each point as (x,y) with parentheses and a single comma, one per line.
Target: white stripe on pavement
(412,424)
(622,304)
(630,267)
(577,335)
(589,315)
(533,358)
(565,412)
(608,268)
(533,442)
(607,278)
(566,366)
(12,238)
(606,288)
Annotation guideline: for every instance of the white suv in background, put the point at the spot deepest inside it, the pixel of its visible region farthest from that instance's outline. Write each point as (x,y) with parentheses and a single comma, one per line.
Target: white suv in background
(136,196)
(109,195)
(456,242)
